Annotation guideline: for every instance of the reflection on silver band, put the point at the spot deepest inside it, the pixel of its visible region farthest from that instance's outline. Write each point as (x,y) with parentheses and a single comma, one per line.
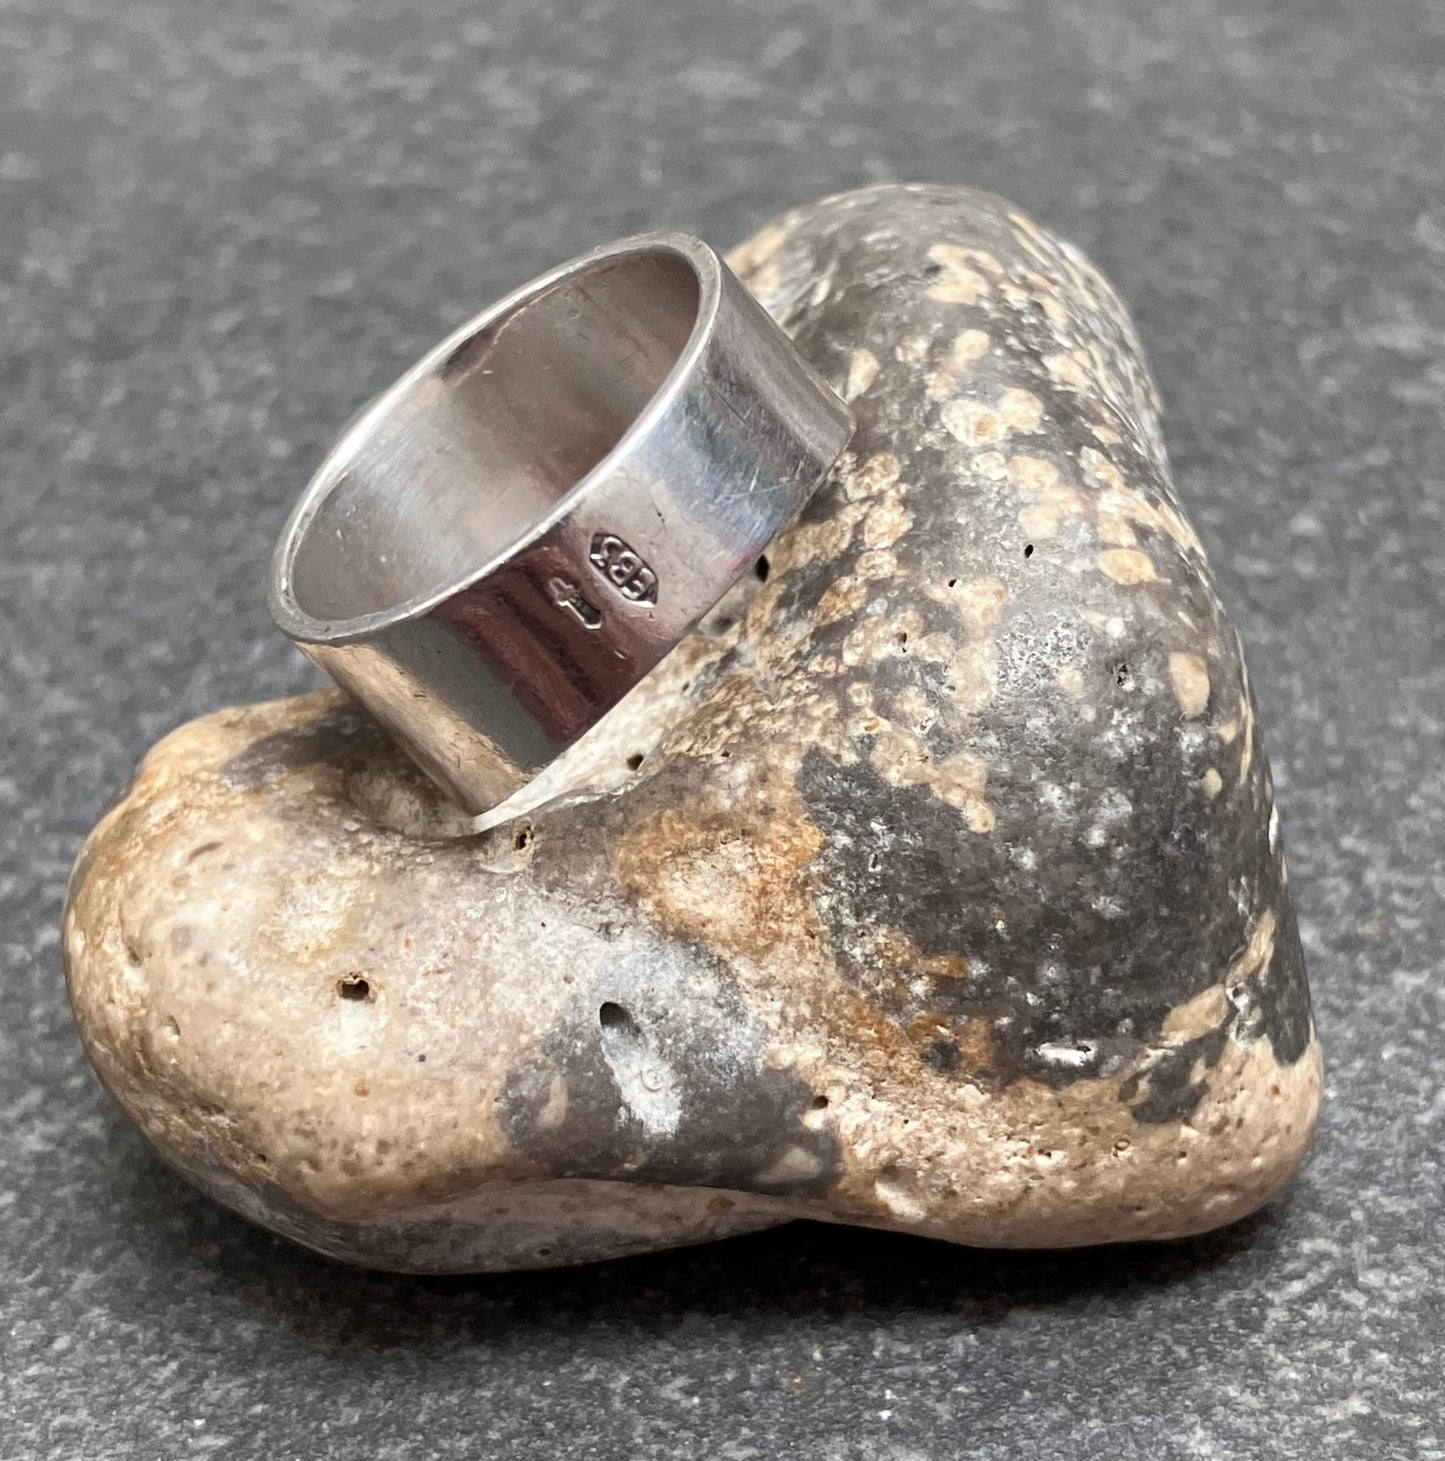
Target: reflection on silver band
(515,533)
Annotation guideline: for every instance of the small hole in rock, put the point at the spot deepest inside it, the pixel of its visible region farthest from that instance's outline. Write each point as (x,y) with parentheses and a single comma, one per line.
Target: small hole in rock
(613,1016)
(353,986)
(544,1252)
(953,583)
(1121,673)
(522,839)
(762,568)
(820,1103)
(932,271)
(634,761)
(1028,550)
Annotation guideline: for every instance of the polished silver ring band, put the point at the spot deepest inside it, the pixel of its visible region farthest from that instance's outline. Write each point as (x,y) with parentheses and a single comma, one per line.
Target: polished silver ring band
(506,541)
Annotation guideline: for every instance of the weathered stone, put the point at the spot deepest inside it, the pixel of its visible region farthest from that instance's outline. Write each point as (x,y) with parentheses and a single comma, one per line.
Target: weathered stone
(938,887)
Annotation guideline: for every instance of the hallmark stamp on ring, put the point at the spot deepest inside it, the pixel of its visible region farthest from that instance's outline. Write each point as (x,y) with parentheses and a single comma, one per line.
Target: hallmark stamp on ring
(566,595)
(623,568)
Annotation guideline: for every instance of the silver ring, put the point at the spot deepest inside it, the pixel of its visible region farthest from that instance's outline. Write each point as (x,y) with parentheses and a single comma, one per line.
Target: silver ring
(506,541)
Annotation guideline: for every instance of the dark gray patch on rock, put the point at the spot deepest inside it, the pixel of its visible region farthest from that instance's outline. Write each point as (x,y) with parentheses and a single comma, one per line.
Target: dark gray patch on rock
(1171,1086)
(1284,995)
(1063,987)
(1130,854)
(661,1078)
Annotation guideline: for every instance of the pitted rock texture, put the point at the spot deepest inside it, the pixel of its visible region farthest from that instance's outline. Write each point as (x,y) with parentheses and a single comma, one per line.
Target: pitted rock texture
(935,884)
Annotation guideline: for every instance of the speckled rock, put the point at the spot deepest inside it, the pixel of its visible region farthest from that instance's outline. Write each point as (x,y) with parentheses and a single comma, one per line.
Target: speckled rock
(936,884)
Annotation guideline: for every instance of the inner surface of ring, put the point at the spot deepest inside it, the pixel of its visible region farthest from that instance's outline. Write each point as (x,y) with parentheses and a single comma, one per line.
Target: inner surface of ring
(470,457)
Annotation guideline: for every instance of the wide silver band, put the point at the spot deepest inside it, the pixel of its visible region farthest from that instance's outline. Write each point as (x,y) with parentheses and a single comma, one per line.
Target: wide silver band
(515,533)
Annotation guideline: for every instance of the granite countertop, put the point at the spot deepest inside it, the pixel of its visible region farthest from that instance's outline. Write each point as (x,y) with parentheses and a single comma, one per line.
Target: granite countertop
(222,226)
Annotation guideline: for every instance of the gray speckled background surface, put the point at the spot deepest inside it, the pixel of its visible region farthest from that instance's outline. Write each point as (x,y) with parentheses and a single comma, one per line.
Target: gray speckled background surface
(222,225)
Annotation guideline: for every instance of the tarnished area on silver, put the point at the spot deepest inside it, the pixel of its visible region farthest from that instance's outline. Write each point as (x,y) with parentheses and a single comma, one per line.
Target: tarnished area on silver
(512,536)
